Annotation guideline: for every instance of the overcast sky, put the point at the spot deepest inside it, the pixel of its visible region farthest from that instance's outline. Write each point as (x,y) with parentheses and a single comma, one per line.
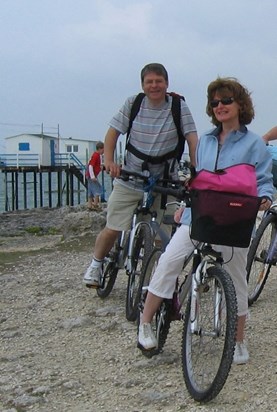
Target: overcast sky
(73,63)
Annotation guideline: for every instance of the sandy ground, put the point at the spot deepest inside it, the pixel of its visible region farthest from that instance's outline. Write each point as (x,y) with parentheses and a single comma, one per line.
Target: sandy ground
(65,349)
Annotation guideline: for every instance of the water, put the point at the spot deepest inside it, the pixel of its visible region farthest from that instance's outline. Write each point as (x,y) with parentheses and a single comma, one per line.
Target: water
(79,191)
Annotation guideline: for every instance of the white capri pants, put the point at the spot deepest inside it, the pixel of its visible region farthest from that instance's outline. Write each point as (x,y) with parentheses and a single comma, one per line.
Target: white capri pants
(171,263)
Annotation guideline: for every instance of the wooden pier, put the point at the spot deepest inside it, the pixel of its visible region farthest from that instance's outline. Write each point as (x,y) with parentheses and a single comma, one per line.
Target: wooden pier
(27,184)
(27,187)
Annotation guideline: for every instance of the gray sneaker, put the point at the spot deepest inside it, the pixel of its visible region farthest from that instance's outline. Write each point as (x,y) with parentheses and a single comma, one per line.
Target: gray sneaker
(146,337)
(92,277)
(241,355)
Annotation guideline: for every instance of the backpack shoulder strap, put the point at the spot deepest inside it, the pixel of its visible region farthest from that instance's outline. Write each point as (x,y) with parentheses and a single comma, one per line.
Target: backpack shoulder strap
(134,111)
(176,114)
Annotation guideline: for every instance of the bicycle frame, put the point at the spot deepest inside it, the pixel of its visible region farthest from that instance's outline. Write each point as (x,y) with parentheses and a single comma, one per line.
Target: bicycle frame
(153,224)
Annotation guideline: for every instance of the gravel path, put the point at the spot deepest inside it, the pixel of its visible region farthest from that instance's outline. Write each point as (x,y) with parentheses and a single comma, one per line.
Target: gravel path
(64,349)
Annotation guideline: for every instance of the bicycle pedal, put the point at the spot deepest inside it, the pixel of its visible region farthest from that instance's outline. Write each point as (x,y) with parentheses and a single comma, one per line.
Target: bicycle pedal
(205,288)
(93,286)
(148,353)
(175,316)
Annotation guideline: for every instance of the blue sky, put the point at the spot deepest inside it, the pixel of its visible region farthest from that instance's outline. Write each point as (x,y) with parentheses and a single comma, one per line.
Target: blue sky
(73,63)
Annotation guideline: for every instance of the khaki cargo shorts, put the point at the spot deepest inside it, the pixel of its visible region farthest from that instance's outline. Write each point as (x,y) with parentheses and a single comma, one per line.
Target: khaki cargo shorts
(122,203)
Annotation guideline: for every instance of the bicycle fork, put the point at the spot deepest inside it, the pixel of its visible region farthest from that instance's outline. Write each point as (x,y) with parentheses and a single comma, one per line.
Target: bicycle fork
(198,287)
(194,305)
(129,260)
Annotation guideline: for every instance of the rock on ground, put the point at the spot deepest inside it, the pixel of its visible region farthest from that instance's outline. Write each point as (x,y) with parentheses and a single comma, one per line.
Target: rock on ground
(62,348)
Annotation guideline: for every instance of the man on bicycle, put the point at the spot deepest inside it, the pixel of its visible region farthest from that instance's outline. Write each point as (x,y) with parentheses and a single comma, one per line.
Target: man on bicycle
(154,135)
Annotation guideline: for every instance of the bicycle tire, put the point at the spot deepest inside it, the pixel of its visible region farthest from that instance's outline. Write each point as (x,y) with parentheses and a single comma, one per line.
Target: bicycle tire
(142,246)
(207,356)
(257,270)
(109,272)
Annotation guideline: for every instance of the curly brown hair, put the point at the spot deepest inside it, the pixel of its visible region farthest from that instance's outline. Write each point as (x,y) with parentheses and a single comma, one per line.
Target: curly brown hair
(230,87)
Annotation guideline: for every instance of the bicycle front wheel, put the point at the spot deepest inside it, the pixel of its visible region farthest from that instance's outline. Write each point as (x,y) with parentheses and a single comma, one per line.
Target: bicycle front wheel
(140,253)
(257,268)
(109,272)
(207,352)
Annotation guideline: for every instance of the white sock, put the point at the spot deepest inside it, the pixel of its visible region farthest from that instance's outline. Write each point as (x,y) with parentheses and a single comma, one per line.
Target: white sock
(95,263)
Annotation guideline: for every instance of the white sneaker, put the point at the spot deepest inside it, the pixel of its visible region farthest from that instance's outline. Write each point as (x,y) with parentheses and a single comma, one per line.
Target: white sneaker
(146,337)
(241,355)
(92,276)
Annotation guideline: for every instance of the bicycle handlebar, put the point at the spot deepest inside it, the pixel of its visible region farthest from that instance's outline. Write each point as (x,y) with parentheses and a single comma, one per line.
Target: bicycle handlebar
(126,175)
(180,193)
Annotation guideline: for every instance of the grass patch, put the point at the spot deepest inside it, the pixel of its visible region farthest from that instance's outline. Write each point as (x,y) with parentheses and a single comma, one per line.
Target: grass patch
(52,231)
(34,230)
(40,231)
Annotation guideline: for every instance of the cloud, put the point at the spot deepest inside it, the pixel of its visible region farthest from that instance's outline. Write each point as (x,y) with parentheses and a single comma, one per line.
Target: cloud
(74,63)
(112,22)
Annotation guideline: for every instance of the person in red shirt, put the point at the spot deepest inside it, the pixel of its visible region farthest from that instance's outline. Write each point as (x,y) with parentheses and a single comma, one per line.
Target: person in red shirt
(94,187)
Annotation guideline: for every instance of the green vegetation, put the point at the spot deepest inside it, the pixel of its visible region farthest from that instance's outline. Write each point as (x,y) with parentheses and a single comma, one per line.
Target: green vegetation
(39,231)
(34,230)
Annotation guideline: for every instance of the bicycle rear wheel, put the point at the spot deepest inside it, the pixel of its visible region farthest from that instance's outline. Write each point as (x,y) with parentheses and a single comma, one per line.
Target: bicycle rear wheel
(109,272)
(142,247)
(207,354)
(257,268)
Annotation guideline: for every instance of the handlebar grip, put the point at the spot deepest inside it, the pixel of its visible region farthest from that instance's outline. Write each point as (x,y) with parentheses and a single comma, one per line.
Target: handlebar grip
(126,175)
(180,194)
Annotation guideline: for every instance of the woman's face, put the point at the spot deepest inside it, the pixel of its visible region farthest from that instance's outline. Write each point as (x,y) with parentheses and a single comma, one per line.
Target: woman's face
(225,108)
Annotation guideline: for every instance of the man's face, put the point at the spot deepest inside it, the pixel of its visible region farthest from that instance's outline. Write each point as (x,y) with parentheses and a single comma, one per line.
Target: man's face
(155,87)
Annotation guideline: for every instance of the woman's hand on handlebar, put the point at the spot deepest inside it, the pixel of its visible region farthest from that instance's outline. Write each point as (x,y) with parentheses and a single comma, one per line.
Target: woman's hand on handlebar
(265,204)
(178,214)
(112,168)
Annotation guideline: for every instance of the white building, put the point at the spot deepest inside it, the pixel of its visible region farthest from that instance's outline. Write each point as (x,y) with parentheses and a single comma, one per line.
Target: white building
(81,148)
(45,150)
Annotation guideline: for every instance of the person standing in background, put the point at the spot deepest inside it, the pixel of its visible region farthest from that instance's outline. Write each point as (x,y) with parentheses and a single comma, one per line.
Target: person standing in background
(93,170)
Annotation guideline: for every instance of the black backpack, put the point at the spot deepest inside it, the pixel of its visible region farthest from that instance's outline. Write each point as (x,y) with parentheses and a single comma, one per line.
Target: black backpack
(176,114)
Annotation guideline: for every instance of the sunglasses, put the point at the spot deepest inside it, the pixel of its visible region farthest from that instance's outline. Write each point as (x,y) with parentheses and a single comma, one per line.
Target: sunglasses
(225,101)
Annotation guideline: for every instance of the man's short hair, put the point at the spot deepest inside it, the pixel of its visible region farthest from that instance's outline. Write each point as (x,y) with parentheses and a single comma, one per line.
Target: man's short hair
(157,68)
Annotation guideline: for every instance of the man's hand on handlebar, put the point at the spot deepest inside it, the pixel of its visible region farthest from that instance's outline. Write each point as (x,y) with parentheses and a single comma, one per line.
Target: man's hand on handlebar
(112,168)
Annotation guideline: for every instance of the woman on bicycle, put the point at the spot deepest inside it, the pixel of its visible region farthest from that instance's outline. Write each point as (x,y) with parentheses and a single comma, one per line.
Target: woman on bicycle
(230,107)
